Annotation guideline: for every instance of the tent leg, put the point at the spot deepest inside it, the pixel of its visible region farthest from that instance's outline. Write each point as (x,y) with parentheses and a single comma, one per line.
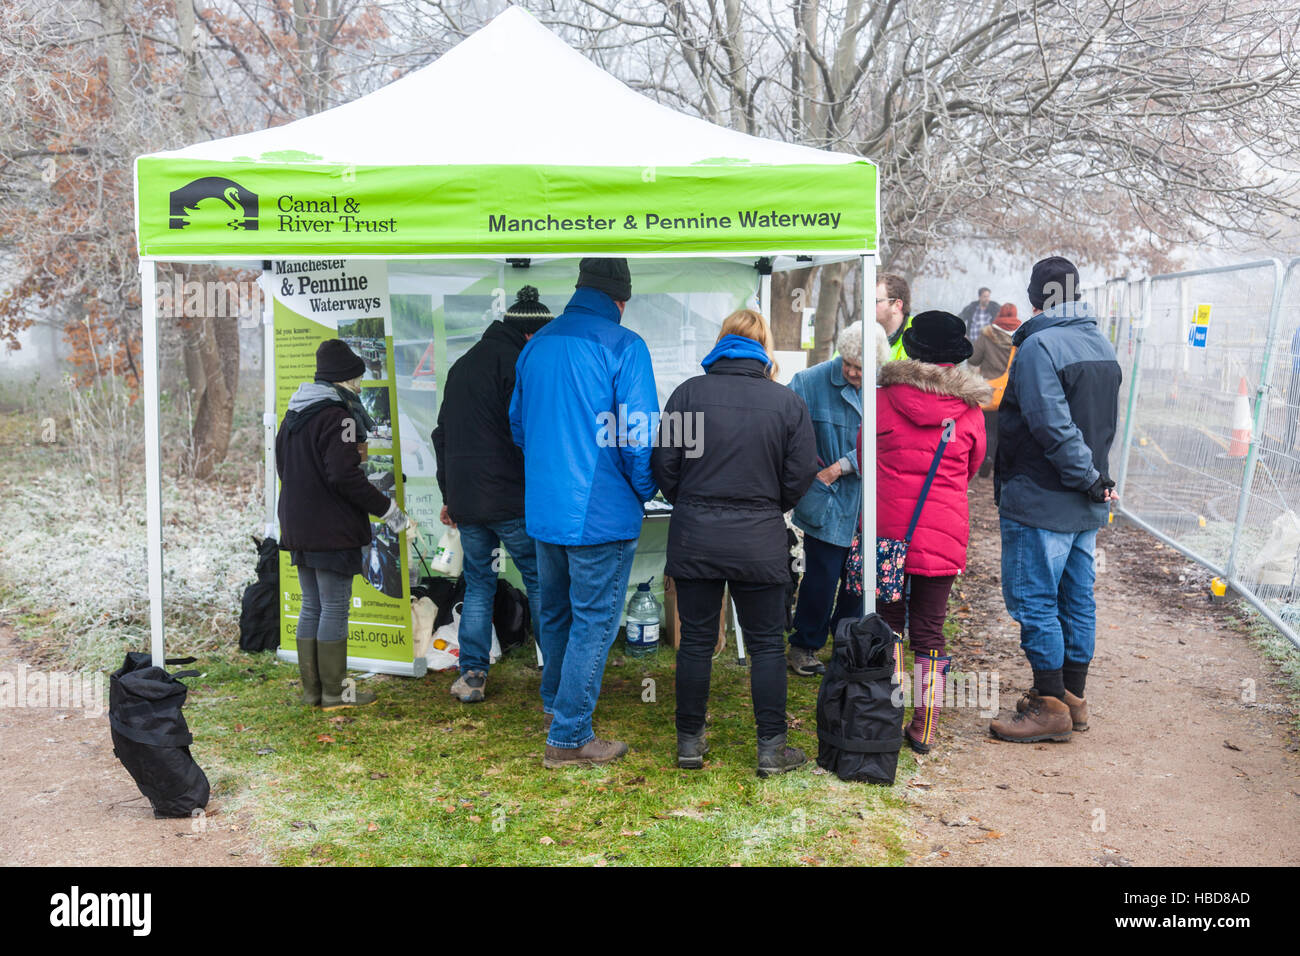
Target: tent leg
(868,533)
(740,636)
(268,400)
(152,456)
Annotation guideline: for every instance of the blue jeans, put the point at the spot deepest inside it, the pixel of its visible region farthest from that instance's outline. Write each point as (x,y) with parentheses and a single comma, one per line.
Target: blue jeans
(823,574)
(479,542)
(1047,582)
(583,590)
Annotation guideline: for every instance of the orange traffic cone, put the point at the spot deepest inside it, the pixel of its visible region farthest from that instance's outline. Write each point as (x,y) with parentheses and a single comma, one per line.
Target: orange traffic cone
(1241,428)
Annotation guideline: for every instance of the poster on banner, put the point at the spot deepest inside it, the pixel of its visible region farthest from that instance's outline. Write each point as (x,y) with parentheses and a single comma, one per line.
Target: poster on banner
(315,300)
(1198,334)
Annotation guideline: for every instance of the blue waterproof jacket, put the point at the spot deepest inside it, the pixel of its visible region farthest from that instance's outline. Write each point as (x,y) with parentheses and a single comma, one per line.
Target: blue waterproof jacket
(1056,422)
(584,411)
(830,512)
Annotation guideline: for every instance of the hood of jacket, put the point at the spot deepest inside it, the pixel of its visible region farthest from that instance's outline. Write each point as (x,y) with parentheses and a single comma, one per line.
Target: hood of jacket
(505,332)
(735,347)
(1058,316)
(312,397)
(311,393)
(934,392)
(593,302)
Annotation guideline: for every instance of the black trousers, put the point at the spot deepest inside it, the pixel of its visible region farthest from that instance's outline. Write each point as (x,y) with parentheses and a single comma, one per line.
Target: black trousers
(761,609)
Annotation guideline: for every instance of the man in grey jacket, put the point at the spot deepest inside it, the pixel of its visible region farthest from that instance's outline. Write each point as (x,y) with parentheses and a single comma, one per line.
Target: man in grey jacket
(1055,428)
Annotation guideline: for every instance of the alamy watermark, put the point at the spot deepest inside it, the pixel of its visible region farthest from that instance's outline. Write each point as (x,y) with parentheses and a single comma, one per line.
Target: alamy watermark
(624,429)
(53,690)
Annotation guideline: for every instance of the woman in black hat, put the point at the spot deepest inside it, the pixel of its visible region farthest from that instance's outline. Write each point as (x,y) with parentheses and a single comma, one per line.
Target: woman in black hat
(918,397)
(325,503)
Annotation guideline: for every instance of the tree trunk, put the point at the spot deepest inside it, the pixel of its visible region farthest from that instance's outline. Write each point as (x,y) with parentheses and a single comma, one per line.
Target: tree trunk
(828,304)
(790,293)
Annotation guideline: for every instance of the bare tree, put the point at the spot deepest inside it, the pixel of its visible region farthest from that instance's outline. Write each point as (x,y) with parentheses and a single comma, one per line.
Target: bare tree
(1098,128)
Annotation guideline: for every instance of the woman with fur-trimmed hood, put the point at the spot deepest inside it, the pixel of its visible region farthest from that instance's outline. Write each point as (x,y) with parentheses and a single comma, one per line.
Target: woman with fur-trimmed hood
(916,397)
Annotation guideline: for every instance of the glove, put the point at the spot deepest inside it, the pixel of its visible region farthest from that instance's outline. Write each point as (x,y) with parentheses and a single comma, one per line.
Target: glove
(397,519)
(1098,489)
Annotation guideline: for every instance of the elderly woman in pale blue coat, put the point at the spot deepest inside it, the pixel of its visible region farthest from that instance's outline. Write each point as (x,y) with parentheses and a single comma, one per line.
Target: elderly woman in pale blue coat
(828,514)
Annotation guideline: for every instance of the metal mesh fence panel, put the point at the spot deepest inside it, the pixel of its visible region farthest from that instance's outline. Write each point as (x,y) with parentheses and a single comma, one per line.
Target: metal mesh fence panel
(1266,561)
(1200,352)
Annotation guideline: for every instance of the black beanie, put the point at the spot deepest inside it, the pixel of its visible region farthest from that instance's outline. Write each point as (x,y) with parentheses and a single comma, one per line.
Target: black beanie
(527,314)
(610,276)
(336,362)
(1053,281)
(938,338)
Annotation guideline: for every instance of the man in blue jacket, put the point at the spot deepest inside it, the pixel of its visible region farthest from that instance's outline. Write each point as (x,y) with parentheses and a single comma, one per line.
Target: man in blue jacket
(583,411)
(1055,428)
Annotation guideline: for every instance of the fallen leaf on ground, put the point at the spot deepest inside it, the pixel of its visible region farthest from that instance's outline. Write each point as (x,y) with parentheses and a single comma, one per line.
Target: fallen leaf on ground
(372,827)
(324,739)
(546,841)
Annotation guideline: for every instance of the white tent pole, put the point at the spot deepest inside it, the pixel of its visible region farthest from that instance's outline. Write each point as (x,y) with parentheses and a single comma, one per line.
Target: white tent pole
(268,398)
(152,456)
(868,537)
(765,295)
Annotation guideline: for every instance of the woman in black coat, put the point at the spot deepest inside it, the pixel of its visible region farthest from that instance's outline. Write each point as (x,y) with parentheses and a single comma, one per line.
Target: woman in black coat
(324,508)
(736,451)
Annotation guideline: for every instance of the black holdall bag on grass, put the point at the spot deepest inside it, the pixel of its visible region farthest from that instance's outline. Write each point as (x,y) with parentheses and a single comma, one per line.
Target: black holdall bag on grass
(259,616)
(150,735)
(859,712)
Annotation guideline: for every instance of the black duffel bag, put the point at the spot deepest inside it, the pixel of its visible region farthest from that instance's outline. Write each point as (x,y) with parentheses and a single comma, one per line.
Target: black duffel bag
(860,706)
(150,735)
(510,616)
(259,617)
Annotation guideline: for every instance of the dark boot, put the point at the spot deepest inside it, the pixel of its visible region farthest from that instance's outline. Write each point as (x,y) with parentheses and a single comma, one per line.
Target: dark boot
(775,757)
(332,660)
(691,751)
(309,672)
(931,674)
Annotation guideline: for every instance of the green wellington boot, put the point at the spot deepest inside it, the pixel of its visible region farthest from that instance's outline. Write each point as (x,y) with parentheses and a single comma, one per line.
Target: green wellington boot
(309,672)
(332,659)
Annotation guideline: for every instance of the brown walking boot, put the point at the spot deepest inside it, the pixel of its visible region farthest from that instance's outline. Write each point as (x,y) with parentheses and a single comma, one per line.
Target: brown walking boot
(1078,709)
(593,752)
(1042,718)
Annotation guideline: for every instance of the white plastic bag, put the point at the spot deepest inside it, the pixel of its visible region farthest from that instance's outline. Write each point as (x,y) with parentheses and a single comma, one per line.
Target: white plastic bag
(444,650)
(423,613)
(448,559)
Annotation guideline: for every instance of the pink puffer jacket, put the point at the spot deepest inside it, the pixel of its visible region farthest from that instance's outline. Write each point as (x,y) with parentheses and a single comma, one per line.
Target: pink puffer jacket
(912,402)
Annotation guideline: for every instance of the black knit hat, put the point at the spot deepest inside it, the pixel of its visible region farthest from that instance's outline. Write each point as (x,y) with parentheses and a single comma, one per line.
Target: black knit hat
(527,314)
(938,338)
(610,276)
(1053,281)
(336,362)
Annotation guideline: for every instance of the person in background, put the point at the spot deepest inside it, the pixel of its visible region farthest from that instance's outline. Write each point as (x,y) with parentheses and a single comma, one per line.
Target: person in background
(990,358)
(918,397)
(828,514)
(586,480)
(1055,428)
(324,502)
(481,476)
(893,310)
(757,459)
(979,314)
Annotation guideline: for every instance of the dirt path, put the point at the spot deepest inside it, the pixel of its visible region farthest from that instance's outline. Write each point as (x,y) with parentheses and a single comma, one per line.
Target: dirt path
(65,800)
(1176,767)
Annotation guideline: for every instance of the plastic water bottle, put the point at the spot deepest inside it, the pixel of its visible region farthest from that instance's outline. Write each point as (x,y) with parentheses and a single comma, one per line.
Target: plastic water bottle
(642,622)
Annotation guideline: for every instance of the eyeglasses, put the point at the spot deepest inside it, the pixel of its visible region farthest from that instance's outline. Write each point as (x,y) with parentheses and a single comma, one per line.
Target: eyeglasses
(878,301)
